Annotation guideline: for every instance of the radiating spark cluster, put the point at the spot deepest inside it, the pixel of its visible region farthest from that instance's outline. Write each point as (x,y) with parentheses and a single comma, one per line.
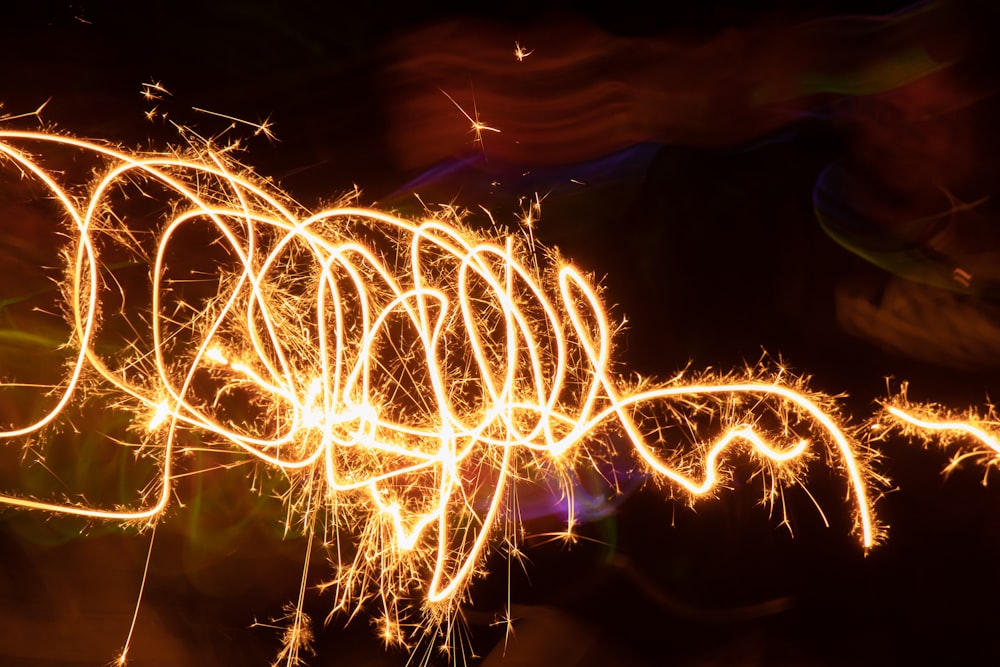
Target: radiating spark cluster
(477,127)
(405,377)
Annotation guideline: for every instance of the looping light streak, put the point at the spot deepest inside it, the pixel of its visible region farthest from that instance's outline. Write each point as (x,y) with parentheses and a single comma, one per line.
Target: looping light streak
(406,377)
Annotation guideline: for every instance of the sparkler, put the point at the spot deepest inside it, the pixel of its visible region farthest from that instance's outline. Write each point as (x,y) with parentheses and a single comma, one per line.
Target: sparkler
(405,377)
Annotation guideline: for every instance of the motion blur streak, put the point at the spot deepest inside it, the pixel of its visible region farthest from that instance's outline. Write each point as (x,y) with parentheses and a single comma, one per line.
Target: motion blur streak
(404,377)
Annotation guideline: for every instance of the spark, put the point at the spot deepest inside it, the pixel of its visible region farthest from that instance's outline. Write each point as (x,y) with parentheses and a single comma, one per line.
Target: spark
(264,127)
(405,377)
(154,90)
(477,126)
(531,213)
(37,113)
(520,53)
(162,414)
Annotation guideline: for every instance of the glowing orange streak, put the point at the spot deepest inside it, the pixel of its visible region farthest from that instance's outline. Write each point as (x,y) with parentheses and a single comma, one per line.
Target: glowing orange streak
(178,395)
(436,592)
(83,327)
(84,330)
(843,445)
(960,426)
(599,360)
(544,372)
(942,421)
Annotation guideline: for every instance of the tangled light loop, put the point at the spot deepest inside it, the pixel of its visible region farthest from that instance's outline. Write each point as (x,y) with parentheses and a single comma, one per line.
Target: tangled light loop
(406,377)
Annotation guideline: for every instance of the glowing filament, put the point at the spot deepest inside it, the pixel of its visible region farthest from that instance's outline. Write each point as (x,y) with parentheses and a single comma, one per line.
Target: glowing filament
(406,377)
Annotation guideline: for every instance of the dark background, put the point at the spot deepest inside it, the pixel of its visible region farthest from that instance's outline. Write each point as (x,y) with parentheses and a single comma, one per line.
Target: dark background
(712,250)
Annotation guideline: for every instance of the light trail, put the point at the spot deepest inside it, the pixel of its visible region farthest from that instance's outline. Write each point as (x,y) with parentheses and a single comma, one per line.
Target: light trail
(976,434)
(404,376)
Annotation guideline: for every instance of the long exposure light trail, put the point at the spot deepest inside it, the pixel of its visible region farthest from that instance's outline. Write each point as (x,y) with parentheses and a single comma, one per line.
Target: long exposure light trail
(405,377)
(976,435)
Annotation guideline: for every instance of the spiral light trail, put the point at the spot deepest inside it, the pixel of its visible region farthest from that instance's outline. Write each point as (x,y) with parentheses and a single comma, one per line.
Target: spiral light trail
(405,377)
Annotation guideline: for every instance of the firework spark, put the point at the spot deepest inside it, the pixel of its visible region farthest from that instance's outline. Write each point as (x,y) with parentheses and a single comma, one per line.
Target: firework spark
(975,433)
(405,377)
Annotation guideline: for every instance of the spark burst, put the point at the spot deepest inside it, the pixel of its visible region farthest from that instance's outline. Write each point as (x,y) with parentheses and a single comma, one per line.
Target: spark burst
(404,377)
